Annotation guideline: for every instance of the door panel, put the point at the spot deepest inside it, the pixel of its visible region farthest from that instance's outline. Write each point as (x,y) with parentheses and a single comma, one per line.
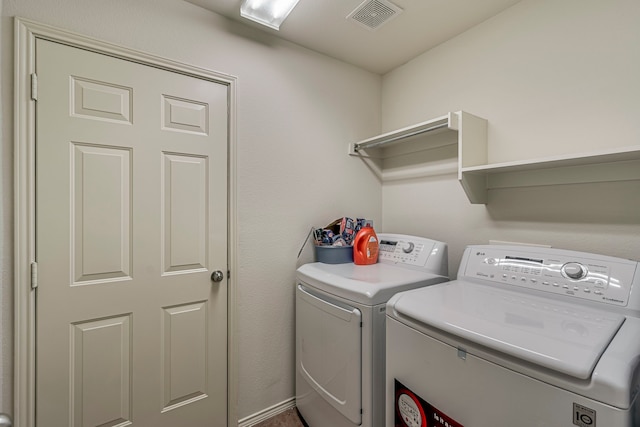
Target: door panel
(184,115)
(131,219)
(101,350)
(185,206)
(185,355)
(101,213)
(101,100)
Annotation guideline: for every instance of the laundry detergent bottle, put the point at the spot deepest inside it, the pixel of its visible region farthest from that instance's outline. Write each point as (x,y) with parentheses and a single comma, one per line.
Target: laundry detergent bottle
(366,246)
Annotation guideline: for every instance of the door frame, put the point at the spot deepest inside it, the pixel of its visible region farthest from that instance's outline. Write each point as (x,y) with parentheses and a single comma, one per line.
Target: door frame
(26,32)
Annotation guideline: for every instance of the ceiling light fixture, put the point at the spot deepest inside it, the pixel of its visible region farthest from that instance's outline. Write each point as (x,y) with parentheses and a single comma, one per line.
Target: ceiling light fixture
(270,13)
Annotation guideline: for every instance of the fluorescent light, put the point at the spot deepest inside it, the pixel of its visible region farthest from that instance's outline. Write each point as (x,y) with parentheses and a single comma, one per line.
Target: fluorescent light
(267,12)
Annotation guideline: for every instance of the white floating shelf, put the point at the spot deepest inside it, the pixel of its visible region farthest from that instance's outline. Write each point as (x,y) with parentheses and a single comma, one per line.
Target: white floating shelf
(382,151)
(404,134)
(475,175)
(621,164)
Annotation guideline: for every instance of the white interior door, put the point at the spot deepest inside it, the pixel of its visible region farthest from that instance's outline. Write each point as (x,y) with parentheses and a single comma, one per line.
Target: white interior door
(131,219)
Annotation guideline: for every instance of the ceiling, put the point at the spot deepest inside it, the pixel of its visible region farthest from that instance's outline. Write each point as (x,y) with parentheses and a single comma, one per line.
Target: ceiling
(321,25)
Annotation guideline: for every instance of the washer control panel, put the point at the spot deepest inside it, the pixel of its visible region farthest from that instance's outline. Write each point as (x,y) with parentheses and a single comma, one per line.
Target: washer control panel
(575,274)
(405,249)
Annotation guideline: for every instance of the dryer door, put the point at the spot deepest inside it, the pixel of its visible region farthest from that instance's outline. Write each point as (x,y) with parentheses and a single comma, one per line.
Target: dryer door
(329,350)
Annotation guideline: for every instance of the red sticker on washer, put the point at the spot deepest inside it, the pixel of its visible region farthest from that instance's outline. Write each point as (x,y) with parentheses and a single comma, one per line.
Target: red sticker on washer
(412,411)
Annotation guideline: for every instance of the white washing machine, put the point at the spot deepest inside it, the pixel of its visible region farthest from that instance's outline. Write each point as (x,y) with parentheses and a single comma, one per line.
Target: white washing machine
(526,336)
(340,329)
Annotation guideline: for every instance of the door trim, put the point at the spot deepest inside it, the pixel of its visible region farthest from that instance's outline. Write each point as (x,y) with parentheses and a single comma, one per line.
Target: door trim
(26,32)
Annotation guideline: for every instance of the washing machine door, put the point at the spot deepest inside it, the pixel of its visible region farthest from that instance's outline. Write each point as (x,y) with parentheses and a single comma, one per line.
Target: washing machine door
(329,347)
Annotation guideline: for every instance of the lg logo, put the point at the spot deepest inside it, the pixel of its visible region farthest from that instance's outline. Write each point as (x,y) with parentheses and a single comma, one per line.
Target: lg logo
(583,419)
(583,416)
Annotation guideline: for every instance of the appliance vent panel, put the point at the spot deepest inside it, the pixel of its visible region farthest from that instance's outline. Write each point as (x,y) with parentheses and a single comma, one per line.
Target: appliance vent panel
(372,14)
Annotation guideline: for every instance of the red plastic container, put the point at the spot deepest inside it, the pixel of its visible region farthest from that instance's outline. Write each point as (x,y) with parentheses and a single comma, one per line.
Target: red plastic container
(366,246)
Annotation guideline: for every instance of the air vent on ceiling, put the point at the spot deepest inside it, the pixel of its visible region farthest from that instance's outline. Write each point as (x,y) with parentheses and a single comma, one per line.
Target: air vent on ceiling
(372,14)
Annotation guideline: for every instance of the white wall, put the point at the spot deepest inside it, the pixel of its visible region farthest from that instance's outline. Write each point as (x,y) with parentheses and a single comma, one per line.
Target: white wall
(551,77)
(296,112)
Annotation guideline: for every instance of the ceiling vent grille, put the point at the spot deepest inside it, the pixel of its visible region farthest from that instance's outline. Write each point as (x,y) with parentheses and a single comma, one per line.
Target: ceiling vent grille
(372,14)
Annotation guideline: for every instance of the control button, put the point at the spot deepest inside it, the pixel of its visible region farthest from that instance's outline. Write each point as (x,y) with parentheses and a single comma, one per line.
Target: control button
(575,288)
(555,285)
(504,276)
(574,270)
(408,248)
(587,290)
(545,283)
(565,286)
(523,279)
(597,292)
(534,281)
(513,277)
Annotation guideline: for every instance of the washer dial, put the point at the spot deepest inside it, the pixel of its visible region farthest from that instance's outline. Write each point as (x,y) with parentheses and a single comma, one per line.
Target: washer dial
(574,270)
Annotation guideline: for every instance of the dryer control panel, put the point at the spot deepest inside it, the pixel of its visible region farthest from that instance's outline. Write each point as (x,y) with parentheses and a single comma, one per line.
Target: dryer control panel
(405,251)
(413,252)
(575,274)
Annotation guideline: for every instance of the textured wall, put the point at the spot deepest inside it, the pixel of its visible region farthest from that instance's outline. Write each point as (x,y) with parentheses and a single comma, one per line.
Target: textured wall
(296,112)
(552,77)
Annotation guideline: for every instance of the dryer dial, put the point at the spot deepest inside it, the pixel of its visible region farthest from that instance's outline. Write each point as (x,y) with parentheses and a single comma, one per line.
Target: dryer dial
(574,270)
(408,248)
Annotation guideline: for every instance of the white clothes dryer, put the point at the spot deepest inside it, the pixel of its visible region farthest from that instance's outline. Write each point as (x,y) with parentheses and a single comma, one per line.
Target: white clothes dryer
(526,336)
(340,328)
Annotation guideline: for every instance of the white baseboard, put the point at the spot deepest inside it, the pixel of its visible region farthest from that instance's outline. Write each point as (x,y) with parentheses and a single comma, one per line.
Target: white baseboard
(267,413)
